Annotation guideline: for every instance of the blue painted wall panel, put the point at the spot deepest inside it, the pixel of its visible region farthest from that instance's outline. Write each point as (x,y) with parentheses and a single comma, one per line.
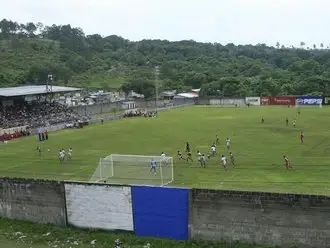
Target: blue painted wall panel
(160,212)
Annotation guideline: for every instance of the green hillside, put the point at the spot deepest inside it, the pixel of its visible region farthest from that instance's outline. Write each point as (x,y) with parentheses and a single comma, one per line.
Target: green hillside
(30,51)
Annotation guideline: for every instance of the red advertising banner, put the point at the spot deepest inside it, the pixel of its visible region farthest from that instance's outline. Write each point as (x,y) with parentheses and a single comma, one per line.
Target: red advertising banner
(282,100)
(278,100)
(265,100)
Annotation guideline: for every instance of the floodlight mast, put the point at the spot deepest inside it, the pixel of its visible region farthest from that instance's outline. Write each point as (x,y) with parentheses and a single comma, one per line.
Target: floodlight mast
(156,84)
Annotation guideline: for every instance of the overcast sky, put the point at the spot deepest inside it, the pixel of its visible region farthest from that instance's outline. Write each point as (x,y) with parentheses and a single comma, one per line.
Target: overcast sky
(224,21)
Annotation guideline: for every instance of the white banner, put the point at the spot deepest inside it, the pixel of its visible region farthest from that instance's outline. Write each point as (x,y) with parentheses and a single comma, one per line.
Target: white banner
(252,100)
(227,101)
(215,102)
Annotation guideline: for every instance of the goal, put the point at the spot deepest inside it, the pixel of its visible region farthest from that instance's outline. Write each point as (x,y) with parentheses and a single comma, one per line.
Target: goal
(134,169)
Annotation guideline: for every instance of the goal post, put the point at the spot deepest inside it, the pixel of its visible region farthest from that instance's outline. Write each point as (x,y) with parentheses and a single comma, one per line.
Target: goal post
(134,169)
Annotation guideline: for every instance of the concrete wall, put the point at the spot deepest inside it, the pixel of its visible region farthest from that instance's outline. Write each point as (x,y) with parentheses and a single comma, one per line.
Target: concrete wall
(99,206)
(33,200)
(97,108)
(264,218)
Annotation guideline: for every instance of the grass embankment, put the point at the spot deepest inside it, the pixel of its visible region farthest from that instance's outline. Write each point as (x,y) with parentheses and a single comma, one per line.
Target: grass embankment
(18,234)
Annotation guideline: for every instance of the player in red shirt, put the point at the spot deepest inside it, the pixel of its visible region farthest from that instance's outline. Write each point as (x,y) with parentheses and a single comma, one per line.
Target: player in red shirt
(302,135)
(287,162)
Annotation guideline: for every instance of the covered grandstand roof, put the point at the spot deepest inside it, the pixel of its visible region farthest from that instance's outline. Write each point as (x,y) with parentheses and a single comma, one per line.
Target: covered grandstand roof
(34,90)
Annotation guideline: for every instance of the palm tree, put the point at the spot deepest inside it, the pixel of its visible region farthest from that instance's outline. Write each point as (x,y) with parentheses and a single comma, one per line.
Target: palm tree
(302,44)
(278,45)
(321,45)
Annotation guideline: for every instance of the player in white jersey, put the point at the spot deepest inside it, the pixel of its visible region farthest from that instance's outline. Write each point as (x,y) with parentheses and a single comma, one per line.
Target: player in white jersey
(224,161)
(70,153)
(228,143)
(153,166)
(163,158)
(202,160)
(213,151)
(199,154)
(61,155)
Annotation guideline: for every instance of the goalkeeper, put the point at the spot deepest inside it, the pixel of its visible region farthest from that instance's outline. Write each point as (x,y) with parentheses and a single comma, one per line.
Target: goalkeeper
(153,166)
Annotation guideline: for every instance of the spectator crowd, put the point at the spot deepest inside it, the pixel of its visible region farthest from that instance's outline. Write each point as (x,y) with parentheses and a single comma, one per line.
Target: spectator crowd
(140,112)
(35,114)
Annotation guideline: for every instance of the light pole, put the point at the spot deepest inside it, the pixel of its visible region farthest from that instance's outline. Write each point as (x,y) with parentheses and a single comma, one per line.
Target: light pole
(49,81)
(156,83)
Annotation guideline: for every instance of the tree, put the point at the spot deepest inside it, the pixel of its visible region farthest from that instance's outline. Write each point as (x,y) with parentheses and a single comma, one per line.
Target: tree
(30,51)
(302,44)
(278,45)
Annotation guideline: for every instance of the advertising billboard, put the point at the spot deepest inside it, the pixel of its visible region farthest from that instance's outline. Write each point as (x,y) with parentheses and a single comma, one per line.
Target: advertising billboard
(309,100)
(252,100)
(282,100)
(265,100)
(326,100)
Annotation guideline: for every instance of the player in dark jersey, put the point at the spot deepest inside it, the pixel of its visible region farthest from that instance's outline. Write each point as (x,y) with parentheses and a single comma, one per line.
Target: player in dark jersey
(187,147)
(287,121)
(189,155)
(262,120)
(217,139)
(39,150)
(287,162)
(232,158)
(202,160)
(302,135)
(179,154)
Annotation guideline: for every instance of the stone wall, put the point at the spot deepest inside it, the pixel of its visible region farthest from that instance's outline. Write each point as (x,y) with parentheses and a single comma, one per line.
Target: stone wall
(285,220)
(33,200)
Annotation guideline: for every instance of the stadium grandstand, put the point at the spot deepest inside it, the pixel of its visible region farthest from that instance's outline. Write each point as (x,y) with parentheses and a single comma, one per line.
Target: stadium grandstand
(25,107)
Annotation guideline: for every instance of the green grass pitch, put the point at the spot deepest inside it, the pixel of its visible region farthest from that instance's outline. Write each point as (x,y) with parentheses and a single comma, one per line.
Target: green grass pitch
(258,148)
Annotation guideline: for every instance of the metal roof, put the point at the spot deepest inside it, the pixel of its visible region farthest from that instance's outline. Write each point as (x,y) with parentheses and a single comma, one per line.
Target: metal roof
(34,90)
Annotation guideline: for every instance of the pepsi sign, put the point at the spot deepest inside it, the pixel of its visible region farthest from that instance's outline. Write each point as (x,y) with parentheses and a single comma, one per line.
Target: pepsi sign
(309,100)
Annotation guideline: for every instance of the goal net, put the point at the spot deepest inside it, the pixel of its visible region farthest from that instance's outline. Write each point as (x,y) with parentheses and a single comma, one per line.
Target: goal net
(134,169)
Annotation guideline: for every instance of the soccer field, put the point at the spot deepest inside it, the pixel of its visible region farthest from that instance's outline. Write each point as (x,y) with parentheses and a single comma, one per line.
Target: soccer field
(258,148)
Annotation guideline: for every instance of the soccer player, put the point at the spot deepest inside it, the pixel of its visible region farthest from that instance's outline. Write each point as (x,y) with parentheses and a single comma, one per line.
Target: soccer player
(39,150)
(163,158)
(189,157)
(232,158)
(153,166)
(70,153)
(217,140)
(202,160)
(61,155)
(213,151)
(287,121)
(287,162)
(224,161)
(179,154)
(302,135)
(199,154)
(294,123)
(262,120)
(228,143)
(187,147)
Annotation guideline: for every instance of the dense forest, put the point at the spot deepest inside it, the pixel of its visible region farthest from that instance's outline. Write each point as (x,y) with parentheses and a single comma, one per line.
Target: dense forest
(31,51)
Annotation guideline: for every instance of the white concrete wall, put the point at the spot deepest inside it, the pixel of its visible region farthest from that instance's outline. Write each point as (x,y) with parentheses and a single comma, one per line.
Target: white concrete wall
(99,206)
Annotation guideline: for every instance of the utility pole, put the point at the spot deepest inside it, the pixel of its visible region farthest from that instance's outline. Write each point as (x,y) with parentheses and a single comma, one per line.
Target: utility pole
(156,84)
